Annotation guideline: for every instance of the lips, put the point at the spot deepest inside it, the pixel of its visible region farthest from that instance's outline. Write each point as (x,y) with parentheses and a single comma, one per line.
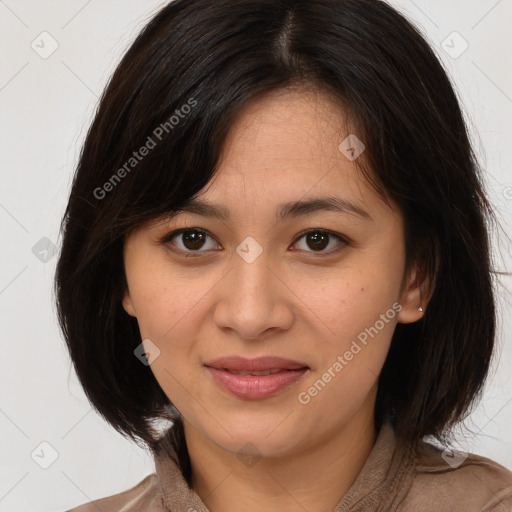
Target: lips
(237,364)
(254,372)
(255,378)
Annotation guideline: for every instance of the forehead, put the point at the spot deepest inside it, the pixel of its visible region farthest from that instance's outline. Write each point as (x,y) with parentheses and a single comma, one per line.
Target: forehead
(291,124)
(283,147)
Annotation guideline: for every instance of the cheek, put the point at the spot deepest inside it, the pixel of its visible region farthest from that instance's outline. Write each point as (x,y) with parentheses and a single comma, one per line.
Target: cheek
(167,320)
(356,312)
(348,301)
(348,368)
(163,298)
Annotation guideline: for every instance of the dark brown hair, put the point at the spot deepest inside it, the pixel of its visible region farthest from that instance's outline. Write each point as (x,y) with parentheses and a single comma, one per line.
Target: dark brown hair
(177,91)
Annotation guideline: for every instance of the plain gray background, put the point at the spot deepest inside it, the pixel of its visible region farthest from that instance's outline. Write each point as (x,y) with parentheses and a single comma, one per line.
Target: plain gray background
(46,104)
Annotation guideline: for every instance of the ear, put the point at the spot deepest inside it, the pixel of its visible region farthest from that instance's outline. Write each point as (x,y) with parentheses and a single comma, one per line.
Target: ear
(416,293)
(128,303)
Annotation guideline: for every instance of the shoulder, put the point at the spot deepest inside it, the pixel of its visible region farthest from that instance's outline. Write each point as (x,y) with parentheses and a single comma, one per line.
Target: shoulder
(457,481)
(142,497)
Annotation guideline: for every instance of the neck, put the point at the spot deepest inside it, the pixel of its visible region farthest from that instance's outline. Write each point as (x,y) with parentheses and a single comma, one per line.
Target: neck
(313,479)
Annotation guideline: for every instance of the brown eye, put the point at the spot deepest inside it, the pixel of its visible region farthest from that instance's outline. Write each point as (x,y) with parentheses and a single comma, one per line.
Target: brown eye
(193,240)
(188,240)
(317,240)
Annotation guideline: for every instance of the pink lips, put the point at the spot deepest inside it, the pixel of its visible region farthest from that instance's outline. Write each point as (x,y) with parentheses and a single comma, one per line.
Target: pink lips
(255,378)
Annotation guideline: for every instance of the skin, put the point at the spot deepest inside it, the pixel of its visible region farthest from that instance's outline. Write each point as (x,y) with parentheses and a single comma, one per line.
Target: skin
(293,301)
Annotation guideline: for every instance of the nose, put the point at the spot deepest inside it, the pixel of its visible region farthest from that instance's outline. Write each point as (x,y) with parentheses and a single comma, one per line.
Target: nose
(253,300)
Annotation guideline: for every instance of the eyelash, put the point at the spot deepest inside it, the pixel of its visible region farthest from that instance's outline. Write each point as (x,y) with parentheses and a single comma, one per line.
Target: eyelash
(188,254)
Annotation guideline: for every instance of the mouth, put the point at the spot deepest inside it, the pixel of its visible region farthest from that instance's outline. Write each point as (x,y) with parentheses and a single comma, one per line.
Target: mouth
(271,364)
(255,378)
(260,372)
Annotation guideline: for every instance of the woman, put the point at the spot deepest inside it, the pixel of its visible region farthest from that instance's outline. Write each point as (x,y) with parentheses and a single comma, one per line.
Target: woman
(277,238)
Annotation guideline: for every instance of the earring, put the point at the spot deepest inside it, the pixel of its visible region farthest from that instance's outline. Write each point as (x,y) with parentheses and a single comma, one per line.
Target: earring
(421,309)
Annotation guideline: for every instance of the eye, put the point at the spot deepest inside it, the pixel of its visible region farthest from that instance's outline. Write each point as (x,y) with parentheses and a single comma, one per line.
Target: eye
(192,240)
(318,239)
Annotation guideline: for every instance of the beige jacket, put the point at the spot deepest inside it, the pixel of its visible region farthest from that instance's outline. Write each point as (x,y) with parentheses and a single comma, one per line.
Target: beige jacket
(395,477)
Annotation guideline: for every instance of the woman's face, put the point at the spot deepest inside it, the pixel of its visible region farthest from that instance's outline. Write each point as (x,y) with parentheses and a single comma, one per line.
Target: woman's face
(265,280)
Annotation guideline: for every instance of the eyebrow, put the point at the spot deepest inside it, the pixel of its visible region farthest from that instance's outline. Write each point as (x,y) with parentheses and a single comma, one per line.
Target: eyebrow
(285,211)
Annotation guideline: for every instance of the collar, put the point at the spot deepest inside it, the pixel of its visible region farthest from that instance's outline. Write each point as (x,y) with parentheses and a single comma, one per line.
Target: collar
(378,482)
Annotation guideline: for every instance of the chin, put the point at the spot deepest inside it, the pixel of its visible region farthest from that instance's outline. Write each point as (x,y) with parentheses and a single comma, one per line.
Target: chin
(263,439)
